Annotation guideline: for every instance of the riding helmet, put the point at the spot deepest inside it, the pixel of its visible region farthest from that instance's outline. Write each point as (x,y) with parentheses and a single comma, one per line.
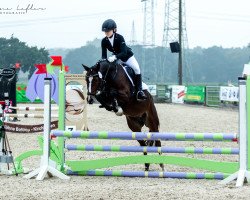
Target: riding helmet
(108,25)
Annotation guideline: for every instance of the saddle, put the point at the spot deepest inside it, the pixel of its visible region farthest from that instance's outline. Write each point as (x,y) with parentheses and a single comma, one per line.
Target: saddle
(130,73)
(131,76)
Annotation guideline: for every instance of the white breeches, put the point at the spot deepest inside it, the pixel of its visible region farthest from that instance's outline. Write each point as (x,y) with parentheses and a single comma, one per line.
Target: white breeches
(132,62)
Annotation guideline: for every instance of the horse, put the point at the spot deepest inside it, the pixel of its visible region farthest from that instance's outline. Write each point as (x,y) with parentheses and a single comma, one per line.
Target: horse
(110,76)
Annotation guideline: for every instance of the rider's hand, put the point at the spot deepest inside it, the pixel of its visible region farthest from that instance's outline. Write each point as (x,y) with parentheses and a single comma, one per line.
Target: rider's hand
(112,58)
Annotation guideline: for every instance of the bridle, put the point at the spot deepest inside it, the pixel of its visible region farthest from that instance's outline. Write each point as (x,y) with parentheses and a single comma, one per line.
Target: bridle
(93,75)
(103,79)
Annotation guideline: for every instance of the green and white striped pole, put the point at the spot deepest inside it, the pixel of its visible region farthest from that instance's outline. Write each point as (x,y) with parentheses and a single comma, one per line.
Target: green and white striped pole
(61,122)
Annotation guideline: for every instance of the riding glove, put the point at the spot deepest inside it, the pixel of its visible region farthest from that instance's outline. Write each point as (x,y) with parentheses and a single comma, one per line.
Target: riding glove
(112,58)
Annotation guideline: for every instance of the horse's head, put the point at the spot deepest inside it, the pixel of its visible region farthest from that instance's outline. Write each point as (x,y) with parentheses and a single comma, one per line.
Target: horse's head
(93,80)
(97,76)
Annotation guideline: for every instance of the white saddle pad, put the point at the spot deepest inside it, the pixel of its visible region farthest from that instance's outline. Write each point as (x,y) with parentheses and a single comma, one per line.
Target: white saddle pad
(144,85)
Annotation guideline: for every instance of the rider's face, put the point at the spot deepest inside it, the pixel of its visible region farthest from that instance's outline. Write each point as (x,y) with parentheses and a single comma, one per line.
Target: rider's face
(109,33)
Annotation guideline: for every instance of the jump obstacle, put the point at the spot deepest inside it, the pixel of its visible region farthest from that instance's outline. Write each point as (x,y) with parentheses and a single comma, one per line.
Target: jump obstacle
(76,124)
(53,158)
(30,112)
(27,115)
(21,108)
(223,170)
(76,115)
(46,166)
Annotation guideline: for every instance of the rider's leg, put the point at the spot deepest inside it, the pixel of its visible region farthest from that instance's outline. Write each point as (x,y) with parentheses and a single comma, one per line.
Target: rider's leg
(132,62)
(140,94)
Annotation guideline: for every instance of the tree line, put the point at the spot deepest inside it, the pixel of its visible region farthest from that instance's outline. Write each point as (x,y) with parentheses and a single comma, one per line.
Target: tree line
(213,65)
(14,51)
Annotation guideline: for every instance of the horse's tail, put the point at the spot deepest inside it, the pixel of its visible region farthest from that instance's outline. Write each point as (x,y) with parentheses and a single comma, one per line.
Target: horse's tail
(152,113)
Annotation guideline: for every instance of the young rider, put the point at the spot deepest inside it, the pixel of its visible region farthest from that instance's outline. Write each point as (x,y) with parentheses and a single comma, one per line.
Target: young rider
(115,43)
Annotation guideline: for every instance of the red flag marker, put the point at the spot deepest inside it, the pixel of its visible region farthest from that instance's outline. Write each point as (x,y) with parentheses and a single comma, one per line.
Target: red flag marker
(41,68)
(66,68)
(57,60)
(17,65)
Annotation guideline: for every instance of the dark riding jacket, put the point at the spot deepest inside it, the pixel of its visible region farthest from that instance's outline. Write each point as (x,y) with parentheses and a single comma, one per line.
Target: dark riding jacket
(119,48)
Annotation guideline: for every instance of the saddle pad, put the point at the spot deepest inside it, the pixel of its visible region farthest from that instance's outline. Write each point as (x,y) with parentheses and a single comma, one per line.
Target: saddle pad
(144,85)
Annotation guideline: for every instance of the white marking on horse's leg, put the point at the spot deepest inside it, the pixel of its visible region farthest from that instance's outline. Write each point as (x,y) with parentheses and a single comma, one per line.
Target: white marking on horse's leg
(119,112)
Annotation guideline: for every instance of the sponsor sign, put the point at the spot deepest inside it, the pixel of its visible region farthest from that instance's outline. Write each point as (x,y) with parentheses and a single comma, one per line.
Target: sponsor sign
(152,89)
(229,94)
(7,71)
(20,128)
(178,93)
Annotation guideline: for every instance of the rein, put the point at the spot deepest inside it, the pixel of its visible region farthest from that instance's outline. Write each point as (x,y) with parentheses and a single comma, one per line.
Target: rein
(104,81)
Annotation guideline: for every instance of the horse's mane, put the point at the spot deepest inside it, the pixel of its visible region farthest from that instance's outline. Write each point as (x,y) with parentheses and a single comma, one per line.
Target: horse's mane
(112,67)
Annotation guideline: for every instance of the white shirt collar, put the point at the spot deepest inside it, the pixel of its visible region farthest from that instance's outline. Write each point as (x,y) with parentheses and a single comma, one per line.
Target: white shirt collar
(111,40)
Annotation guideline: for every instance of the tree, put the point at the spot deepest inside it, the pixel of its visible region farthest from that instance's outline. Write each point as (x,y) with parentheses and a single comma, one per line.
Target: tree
(14,51)
(87,55)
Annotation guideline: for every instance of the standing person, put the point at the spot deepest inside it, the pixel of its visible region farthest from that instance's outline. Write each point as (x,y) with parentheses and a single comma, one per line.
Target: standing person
(115,43)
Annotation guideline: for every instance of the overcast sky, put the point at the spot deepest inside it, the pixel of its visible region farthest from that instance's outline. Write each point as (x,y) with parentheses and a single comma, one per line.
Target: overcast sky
(70,24)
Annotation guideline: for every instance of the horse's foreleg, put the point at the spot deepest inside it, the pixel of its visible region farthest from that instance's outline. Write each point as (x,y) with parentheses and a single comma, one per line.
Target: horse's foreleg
(143,143)
(158,144)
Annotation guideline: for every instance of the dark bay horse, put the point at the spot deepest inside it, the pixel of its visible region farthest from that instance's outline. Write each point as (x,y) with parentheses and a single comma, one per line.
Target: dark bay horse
(111,76)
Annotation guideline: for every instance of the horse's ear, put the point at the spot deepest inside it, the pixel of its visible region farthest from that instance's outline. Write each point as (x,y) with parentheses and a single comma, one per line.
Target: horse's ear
(86,67)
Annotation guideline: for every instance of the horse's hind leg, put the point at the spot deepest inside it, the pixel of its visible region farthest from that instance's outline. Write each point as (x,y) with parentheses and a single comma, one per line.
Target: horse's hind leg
(135,124)
(150,143)
(157,144)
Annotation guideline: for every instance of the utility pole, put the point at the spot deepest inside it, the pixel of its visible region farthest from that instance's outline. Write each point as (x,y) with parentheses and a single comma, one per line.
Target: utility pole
(180,43)
(175,31)
(149,37)
(148,26)
(133,40)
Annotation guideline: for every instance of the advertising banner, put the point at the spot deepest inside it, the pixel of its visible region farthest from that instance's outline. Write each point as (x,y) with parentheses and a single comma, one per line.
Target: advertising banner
(229,94)
(195,94)
(178,93)
(152,89)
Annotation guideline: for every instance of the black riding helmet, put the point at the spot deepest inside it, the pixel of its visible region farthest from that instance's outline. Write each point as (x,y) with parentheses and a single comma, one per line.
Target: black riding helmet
(108,25)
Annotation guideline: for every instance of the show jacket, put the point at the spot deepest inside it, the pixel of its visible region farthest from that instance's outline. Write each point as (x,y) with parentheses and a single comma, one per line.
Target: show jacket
(120,49)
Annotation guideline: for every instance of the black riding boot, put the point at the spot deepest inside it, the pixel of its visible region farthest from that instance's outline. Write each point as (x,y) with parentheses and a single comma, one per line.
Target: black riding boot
(138,84)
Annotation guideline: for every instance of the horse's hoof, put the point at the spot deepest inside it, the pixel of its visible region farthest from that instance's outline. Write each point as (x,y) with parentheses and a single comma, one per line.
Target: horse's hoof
(119,112)
(162,167)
